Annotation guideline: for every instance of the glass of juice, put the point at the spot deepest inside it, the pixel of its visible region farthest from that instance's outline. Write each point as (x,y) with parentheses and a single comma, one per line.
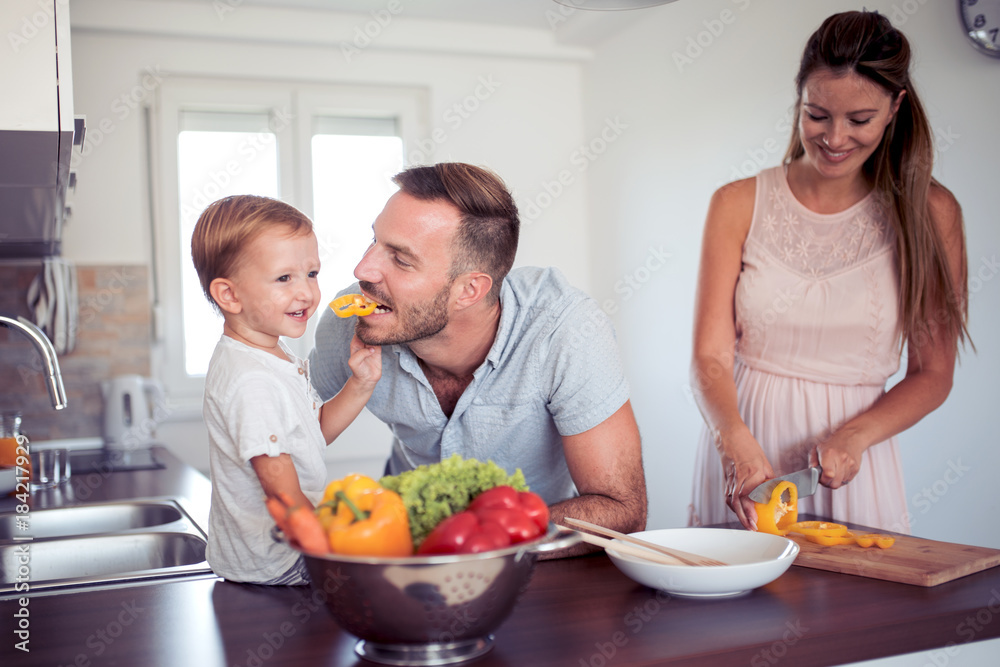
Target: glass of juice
(12,453)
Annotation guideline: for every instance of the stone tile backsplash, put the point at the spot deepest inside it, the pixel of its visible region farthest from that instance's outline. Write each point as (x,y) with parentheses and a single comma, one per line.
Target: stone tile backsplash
(114,336)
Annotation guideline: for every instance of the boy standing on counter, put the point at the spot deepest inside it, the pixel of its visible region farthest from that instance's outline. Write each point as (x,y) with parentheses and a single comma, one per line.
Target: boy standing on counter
(257,259)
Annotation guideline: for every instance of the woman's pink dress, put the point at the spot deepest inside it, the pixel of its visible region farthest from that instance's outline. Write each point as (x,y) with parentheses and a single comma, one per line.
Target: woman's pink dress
(816,327)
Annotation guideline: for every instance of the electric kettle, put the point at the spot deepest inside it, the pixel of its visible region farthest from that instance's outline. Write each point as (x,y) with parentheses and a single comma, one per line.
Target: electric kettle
(132,405)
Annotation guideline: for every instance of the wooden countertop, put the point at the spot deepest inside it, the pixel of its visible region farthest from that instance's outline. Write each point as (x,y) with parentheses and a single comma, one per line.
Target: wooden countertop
(576,612)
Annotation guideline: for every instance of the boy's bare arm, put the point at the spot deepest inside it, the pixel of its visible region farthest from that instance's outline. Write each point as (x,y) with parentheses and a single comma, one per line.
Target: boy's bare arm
(277,475)
(338,413)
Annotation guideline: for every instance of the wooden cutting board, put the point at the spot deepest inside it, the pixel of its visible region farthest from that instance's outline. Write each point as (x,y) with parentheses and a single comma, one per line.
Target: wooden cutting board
(911,560)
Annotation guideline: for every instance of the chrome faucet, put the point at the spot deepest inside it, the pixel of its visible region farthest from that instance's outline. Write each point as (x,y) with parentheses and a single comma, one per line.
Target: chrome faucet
(44,346)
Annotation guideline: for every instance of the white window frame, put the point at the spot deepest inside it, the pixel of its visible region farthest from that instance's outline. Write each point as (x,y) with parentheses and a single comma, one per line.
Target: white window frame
(292,106)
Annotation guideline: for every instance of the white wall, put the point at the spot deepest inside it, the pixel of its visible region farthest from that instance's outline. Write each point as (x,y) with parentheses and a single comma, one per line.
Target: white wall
(695,125)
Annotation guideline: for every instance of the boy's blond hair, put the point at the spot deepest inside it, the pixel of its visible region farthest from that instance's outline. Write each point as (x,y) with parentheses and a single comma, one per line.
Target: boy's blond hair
(226,227)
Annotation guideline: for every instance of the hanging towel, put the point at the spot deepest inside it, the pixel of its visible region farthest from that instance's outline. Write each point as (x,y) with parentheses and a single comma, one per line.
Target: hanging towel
(54,302)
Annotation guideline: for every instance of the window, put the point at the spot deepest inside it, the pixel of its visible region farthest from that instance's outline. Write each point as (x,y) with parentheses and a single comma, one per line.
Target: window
(329,151)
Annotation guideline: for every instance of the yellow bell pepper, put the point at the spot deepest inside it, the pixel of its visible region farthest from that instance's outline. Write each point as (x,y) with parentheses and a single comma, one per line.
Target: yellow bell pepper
(353,485)
(776,516)
(365,519)
(353,304)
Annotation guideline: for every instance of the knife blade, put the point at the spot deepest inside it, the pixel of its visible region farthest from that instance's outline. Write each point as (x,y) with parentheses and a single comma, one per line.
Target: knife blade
(805,480)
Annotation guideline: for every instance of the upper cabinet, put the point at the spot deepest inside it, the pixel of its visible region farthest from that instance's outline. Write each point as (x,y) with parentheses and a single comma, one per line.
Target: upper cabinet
(37,126)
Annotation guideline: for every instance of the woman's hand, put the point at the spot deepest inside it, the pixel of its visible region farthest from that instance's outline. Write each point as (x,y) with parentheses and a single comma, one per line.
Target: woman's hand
(366,364)
(744,467)
(840,459)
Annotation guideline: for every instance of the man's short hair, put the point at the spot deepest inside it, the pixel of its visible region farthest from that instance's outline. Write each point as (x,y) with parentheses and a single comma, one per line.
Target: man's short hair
(226,227)
(487,236)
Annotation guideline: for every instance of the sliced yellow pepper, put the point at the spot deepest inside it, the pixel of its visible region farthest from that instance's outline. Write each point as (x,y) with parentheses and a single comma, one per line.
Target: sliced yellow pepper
(830,540)
(814,528)
(865,541)
(353,304)
(875,539)
(777,516)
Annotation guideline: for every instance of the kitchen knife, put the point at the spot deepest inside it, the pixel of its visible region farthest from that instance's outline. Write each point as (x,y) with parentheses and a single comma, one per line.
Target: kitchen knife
(805,480)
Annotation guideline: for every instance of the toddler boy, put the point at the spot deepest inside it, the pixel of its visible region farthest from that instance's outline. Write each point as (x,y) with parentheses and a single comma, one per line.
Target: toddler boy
(257,260)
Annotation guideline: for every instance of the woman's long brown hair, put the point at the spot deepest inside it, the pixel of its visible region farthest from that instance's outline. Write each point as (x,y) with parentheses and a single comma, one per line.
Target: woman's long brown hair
(899,170)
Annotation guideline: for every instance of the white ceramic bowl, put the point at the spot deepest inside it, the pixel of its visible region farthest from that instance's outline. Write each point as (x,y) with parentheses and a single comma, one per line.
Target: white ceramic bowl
(753,559)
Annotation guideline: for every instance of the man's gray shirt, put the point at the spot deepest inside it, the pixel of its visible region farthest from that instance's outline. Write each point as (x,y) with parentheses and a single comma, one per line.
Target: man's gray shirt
(553,370)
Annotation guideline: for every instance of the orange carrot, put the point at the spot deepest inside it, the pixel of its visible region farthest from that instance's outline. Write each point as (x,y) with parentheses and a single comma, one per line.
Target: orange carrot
(304,527)
(279,512)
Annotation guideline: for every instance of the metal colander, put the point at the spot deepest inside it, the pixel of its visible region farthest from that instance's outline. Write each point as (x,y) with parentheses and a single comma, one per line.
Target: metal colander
(428,610)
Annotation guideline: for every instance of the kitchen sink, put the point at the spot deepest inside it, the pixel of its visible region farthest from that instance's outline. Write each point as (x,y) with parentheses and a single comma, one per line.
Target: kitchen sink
(106,544)
(89,519)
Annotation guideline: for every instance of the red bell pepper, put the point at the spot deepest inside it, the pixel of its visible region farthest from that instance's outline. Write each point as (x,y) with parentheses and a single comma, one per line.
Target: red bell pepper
(494,519)
(464,533)
(526,503)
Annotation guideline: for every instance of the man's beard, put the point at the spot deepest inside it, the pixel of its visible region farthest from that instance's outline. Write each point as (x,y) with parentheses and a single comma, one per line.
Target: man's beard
(412,324)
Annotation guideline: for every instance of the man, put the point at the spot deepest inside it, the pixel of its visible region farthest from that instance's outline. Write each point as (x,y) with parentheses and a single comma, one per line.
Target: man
(521,369)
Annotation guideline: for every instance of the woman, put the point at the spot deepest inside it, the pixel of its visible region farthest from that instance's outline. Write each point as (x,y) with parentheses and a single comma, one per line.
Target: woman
(813,274)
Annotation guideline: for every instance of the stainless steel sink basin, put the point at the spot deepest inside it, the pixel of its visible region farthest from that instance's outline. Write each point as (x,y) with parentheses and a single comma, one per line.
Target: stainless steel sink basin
(91,519)
(103,559)
(99,545)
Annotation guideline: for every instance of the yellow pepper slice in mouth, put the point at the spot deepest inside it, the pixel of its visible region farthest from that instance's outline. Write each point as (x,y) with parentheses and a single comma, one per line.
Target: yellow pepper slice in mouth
(353,304)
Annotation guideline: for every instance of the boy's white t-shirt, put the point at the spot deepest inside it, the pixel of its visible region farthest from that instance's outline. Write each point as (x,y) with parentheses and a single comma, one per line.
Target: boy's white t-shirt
(256,403)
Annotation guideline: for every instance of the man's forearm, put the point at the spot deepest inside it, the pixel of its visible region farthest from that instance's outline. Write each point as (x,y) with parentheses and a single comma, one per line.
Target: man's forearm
(626,515)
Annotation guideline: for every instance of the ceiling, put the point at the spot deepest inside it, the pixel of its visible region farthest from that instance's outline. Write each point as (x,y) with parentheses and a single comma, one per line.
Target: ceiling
(567,24)
(515,13)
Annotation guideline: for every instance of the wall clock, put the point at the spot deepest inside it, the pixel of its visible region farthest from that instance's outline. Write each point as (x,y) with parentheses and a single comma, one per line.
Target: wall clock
(981,21)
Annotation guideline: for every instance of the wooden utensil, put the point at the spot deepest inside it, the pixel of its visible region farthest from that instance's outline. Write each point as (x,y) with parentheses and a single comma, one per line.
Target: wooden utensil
(684,557)
(623,548)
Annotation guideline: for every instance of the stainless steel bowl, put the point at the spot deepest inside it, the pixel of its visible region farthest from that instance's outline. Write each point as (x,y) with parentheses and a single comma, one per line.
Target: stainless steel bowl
(428,610)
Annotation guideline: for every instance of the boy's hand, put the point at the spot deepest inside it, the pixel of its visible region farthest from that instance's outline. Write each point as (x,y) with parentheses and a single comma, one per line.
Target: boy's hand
(365,363)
